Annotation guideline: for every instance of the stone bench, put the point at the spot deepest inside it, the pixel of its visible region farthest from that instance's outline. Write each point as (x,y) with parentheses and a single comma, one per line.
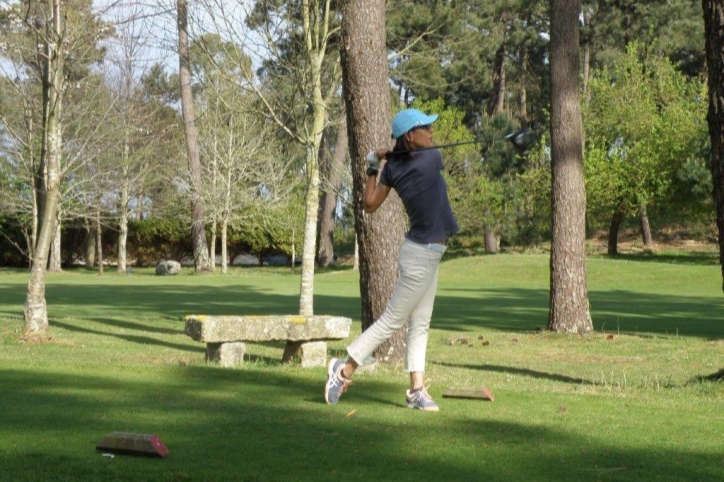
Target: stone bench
(306,336)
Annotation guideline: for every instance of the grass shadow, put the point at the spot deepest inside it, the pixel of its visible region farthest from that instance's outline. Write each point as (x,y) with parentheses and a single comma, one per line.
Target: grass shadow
(136,326)
(268,422)
(139,339)
(518,371)
(526,310)
(234,424)
(158,307)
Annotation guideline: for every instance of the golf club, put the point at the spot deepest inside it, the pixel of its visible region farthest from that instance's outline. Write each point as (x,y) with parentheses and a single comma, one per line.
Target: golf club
(522,140)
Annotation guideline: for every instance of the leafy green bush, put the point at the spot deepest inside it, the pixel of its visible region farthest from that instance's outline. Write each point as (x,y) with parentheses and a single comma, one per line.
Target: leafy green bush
(153,239)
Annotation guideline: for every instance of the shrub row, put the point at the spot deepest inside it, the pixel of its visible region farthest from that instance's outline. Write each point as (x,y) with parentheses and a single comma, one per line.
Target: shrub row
(149,240)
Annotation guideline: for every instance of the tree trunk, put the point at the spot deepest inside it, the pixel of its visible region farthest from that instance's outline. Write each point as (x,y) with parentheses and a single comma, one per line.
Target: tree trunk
(47,177)
(123,236)
(311,207)
(523,95)
(294,252)
(225,214)
(328,203)
(714,30)
(315,24)
(33,162)
(613,229)
(645,228)
(309,240)
(586,57)
(123,207)
(36,221)
(99,239)
(198,231)
(212,246)
(355,261)
(55,262)
(491,240)
(90,244)
(366,94)
(495,106)
(35,311)
(224,244)
(497,100)
(569,307)
(139,207)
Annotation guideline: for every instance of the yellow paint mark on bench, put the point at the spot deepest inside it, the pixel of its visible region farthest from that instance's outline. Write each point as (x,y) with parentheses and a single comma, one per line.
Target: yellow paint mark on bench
(199,318)
(299,319)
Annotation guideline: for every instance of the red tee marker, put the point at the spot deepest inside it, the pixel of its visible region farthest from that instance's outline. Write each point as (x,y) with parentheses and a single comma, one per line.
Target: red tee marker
(133,444)
(475,394)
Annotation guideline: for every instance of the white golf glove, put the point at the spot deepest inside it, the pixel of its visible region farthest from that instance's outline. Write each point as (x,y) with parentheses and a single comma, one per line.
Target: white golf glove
(373,161)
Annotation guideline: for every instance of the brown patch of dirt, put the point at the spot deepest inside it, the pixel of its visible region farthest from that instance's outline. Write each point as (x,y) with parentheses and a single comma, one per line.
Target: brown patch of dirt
(667,239)
(34,339)
(38,339)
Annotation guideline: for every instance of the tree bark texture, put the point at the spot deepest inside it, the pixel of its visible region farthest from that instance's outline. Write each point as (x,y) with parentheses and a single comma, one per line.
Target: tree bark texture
(495,107)
(490,236)
(124,197)
(586,56)
(33,162)
(123,231)
(613,230)
(99,239)
(332,165)
(139,207)
(316,27)
(366,95)
(523,94)
(714,31)
(55,261)
(497,99)
(569,307)
(311,207)
(212,245)
(198,231)
(224,244)
(90,244)
(646,235)
(35,312)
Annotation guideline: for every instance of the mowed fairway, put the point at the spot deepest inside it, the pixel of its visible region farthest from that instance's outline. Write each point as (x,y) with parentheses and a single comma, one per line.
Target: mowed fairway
(626,403)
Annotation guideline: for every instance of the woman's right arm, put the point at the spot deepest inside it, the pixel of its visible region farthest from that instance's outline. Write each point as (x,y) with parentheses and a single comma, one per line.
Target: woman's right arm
(375,194)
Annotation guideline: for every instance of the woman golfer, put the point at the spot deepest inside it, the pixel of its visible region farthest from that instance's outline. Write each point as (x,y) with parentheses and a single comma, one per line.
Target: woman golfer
(417,178)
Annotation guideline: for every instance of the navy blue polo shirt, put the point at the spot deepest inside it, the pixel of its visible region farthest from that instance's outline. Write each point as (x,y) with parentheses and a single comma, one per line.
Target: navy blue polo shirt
(419,183)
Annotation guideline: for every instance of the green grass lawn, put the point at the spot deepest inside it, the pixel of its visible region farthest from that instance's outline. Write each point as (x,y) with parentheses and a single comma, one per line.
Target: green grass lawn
(626,403)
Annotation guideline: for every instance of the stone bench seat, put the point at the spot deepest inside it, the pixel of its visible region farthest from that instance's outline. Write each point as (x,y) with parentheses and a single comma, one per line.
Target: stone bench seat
(306,336)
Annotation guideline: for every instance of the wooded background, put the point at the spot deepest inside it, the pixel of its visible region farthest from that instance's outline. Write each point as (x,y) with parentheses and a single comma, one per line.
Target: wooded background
(129,123)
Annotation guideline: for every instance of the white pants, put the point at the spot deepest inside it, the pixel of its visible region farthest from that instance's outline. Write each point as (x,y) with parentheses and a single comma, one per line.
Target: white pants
(413,298)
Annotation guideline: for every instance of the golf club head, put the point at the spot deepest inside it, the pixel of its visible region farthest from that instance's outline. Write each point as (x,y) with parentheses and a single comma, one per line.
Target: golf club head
(522,140)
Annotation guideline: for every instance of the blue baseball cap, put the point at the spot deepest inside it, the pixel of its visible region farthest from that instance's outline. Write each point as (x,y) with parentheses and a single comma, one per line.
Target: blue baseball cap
(409,119)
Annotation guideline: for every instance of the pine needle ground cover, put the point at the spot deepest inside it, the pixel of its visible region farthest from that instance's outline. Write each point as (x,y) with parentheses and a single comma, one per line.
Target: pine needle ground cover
(629,402)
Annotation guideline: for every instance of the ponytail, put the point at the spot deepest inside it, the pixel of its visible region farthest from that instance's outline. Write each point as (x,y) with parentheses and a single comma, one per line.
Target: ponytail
(400,152)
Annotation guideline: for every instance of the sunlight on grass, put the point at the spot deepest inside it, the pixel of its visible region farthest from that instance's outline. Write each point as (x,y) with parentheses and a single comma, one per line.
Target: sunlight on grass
(626,403)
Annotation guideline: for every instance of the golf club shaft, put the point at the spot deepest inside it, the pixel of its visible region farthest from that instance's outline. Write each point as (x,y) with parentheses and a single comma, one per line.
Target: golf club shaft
(454,144)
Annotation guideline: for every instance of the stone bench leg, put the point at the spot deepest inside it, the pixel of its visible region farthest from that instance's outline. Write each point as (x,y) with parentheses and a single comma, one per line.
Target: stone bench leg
(309,353)
(226,354)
